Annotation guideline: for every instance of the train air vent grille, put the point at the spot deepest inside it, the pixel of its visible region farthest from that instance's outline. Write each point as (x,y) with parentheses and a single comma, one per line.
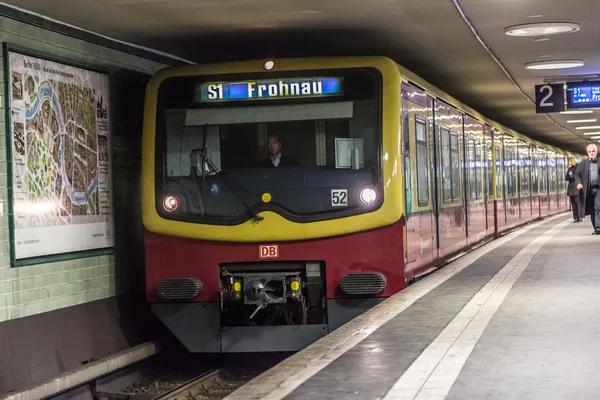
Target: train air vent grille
(179,288)
(363,283)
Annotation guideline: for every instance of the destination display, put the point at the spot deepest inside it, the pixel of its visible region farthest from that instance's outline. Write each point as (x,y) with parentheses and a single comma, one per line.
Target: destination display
(61,166)
(583,94)
(269,89)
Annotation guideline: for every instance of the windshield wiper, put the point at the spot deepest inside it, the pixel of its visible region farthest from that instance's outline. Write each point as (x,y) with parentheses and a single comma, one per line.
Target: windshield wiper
(230,185)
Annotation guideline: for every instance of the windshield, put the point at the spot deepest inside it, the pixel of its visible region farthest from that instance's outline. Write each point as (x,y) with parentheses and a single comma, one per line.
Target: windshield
(304,159)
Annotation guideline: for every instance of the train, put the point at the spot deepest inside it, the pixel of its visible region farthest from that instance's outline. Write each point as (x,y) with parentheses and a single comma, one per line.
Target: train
(282,198)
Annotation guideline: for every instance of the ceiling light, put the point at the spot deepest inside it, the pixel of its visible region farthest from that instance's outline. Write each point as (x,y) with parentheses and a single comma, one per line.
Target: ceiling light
(581,121)
(558,64)
(591,133)
(269,65)
(541,29)
(595,137)
(535,16)
(577,112)
(541,39)
(545,56)
(588,127)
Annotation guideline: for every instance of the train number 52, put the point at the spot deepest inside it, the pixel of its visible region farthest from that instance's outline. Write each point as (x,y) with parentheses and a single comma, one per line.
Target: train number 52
(339,197)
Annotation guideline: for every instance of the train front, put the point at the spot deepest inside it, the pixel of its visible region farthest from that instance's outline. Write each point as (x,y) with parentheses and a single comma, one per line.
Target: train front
(271,199)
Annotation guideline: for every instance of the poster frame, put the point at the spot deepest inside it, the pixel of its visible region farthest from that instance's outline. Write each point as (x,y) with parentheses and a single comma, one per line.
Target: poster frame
(51,258)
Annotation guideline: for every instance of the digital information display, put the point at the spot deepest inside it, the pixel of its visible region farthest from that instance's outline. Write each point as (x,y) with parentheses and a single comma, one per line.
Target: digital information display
(583,95)
(268,89)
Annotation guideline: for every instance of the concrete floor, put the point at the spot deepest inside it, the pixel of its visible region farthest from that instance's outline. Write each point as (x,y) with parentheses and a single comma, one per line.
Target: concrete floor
(519,322)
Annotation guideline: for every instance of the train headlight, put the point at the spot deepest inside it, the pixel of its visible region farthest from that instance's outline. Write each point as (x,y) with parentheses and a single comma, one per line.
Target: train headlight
(170,203)
(368,195)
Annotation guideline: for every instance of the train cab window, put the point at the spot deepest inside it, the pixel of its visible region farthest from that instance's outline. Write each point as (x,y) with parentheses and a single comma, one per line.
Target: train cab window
(313,158)
(422,162)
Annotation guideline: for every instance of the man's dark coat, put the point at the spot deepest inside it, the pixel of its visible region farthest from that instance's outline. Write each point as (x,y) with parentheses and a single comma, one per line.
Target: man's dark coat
(582,175)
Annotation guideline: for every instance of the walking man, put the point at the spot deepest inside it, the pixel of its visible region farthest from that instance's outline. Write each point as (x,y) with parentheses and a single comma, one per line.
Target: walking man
(586,178)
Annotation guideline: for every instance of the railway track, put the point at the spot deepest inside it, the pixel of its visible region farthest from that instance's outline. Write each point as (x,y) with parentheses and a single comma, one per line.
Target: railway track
(220,382)
(204,379)
(207,386)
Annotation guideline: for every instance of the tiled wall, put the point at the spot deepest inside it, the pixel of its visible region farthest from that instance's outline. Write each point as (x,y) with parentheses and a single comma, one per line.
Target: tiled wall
(35,289)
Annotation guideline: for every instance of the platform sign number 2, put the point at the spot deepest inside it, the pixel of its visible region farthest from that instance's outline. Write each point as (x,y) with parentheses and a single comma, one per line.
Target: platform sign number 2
(339,197)
(549,98)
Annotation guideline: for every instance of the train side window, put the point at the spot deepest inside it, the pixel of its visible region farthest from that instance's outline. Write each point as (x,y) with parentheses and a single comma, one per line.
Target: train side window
(489,167)
(525,171)
(422,162)
(535,171)
(552,173)
(455,162)
(446,170)
(543,174)
(405,134)
(499,176)
(507,171)
(478,177)
(513,173)
(471,168)
(508,163)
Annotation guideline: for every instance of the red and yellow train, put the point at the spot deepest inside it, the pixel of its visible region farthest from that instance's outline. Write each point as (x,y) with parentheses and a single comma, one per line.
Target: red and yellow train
(283,198)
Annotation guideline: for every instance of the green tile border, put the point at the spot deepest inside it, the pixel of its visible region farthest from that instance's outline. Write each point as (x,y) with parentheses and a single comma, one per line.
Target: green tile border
(80,34)
(9,159)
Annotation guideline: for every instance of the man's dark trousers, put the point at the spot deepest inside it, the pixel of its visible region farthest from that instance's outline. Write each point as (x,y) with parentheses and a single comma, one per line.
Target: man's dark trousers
(595,198)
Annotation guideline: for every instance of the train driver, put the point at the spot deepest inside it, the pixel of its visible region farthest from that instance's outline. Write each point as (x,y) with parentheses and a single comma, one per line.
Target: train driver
(275,158)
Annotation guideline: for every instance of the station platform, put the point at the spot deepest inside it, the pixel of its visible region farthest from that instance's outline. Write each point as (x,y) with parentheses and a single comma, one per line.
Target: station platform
(516,318)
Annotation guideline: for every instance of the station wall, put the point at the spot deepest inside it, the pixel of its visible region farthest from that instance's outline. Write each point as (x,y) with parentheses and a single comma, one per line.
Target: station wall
(56,315)
(34,289)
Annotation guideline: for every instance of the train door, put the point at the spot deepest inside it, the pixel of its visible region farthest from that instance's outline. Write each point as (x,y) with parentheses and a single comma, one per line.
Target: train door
(535,181)
(499,193)
(489,179)
(525,208)
(416,127)
(474,179)
(407,185)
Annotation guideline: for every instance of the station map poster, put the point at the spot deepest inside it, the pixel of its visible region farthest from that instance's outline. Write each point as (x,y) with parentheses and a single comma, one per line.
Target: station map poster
(61,172)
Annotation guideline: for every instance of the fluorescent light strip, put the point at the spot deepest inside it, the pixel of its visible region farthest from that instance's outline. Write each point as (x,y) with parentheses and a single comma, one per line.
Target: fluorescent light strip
(557,64)
(542,28)
(581,121)
(588,127)
(591,133)
(577,112)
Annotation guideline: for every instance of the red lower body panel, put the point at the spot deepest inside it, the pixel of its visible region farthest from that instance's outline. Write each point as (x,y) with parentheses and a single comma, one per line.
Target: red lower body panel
(378,250)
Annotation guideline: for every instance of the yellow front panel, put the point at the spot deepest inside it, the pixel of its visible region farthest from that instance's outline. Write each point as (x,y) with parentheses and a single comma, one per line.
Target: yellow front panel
(274,227)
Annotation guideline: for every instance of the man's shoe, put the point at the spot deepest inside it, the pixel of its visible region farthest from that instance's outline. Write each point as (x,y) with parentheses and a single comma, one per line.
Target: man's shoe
(597,231)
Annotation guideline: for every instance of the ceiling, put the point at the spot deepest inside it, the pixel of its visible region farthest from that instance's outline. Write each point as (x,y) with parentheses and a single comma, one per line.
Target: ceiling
(434,38)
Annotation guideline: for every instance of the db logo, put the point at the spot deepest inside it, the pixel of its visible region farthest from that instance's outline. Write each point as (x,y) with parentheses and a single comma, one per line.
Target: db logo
(268,251)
